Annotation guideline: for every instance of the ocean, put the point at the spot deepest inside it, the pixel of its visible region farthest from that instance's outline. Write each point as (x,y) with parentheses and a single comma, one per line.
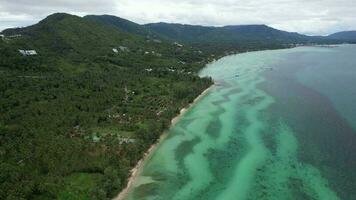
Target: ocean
(278,124)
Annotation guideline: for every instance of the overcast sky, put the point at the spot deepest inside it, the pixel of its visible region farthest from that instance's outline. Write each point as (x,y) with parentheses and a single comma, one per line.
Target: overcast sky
(311,17)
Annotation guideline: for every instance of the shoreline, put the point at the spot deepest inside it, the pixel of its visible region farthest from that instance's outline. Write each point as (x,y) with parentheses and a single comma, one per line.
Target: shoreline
(134,172)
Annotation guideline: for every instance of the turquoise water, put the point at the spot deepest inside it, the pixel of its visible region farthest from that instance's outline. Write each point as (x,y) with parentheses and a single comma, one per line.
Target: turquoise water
(278,125)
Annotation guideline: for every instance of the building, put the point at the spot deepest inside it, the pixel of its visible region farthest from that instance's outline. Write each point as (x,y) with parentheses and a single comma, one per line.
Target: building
(178,45)
(14,36)
(125,49)
(115,50)
(28,52)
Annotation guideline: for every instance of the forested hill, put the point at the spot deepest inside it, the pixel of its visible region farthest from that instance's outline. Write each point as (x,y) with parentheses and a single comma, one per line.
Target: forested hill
(237,37)
(216,39)
(81,101)
(349,36)
(235,34)
(69,38)
(122,24)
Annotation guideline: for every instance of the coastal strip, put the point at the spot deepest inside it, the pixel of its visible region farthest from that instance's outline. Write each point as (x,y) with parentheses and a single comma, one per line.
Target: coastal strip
(137,169)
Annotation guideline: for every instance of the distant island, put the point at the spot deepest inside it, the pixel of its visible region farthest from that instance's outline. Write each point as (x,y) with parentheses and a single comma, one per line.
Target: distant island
(83,98)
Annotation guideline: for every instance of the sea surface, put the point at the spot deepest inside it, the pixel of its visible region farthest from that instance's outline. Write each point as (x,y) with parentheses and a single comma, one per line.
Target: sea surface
(278,125)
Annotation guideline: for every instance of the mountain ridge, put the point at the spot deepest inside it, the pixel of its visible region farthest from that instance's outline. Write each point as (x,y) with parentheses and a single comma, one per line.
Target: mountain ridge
(224,38)
(133,27)
(199,34)
(344,35)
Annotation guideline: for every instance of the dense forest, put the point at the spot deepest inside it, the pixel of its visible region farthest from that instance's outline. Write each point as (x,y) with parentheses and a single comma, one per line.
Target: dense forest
(78,113)
(216,40)
(76,117)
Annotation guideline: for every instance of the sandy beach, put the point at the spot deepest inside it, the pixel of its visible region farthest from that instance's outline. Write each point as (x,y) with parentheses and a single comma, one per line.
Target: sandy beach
(136,170)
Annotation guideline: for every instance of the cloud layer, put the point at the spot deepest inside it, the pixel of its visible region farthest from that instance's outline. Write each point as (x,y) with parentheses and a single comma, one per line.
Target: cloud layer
(305,16)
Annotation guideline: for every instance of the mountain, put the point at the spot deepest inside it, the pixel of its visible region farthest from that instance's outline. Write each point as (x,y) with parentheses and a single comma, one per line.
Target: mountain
(349,36)
(235,37)
(201,34)
(214,39)
(120,23)
(179,32)
(239,33)
(67,35)
(68,38)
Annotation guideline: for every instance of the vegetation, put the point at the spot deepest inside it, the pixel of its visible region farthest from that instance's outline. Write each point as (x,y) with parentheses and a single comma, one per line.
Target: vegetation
(218,40)
(347,36)
(75,118)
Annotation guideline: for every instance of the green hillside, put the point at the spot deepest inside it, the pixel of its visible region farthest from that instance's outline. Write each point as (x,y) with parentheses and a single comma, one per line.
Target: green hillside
(239,37)
(76,117)
(349,36)
(216,40)
(123,24)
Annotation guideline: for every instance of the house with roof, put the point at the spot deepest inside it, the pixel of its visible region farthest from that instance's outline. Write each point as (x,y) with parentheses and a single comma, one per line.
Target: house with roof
(28,52)
(178,45)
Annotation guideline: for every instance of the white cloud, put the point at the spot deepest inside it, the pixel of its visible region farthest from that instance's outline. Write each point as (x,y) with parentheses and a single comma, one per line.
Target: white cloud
(306,16)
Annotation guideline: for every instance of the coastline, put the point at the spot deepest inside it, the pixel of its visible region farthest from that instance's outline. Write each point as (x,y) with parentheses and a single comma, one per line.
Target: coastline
(137,169)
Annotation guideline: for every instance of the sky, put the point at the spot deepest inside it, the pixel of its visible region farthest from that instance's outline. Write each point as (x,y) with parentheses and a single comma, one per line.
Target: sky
(312,17)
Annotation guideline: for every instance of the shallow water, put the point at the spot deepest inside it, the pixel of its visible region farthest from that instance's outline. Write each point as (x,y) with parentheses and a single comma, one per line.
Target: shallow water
(278,125)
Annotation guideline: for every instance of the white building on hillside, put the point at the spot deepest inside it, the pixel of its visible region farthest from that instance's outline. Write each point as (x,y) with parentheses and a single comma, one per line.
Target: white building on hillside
(178,45)
(28,52)
(115,50)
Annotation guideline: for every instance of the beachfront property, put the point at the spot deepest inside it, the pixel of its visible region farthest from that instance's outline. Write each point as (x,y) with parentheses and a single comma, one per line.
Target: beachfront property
(28,52)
